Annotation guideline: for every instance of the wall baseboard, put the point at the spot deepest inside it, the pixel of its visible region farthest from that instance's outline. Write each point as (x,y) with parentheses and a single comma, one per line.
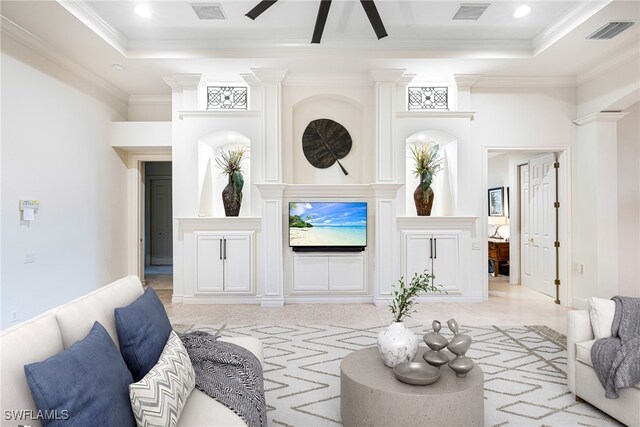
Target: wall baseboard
(342,299)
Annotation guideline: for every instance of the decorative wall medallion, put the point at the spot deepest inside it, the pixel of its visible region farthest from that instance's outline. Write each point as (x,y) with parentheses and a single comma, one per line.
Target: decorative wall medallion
(325,142)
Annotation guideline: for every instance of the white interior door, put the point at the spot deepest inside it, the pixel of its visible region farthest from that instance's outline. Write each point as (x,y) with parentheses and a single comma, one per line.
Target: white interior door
(542,223)
(237,263)
(525,232)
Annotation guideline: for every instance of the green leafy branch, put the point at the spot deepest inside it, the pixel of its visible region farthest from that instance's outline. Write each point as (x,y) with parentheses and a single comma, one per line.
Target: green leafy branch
(404,295)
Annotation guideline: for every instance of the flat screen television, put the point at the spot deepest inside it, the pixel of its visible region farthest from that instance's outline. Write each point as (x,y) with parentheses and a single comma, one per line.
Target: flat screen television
(328,226)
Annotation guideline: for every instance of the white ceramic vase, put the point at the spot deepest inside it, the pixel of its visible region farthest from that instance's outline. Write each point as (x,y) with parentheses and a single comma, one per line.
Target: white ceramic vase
(397,344)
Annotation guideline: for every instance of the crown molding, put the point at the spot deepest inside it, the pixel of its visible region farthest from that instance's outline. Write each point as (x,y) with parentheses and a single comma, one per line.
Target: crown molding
(603,67)
(327,80)
(406,80)
(39,46)
(525,81)
(178,82)
(577,15)
(146,100)
(96,23)
(602,117)
(466,80)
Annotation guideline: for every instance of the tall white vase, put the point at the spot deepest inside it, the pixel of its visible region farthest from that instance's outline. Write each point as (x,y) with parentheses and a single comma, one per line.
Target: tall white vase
(397,344)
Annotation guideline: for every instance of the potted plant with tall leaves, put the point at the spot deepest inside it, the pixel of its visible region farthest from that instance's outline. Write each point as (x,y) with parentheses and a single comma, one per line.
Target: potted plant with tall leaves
(397,343)
(230,162)
(426,165)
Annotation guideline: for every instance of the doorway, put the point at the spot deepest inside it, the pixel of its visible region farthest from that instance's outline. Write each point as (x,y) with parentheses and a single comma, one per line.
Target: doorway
(158,225)
(527,244)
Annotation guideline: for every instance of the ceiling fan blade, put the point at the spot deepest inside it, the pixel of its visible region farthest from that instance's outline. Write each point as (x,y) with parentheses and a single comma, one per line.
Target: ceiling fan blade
(374,18)
(260,7)
(323,12)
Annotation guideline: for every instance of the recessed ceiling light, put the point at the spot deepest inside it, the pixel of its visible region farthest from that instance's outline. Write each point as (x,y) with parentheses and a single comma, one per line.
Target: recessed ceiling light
(521,12)
(117,67)
(143,11)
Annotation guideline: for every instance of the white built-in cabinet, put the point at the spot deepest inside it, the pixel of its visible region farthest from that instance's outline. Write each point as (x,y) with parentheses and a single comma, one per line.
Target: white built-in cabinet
(224,262)
(438,252)
(333,273)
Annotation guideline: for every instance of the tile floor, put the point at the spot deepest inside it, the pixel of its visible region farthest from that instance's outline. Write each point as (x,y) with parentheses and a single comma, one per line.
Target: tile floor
(507,305)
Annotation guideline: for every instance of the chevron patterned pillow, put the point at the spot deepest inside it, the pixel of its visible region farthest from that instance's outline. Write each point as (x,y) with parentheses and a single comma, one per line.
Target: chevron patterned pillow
(158,398)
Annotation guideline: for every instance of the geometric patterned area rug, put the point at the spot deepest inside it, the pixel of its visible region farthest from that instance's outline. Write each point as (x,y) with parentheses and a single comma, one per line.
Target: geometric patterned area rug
(524,367)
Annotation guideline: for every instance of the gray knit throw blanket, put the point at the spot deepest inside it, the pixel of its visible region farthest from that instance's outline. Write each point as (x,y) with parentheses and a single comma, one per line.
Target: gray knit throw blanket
(230,374)
(616,360)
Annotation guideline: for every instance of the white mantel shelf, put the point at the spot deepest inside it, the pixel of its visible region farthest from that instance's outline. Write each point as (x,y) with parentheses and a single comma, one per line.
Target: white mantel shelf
(237,223)
(436,115)
(436,222)
(218,114)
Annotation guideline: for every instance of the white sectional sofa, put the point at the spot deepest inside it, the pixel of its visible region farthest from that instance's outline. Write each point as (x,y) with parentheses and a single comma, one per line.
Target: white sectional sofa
(582,379)
(56,330)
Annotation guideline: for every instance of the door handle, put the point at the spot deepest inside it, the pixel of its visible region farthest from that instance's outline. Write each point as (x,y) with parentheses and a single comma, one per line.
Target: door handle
(435,248)
(430,247)
(220,248)
(225,248)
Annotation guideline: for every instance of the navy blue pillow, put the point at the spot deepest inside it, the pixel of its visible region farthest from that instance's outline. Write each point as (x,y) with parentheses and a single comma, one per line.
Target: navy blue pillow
(143,330)
(87,384)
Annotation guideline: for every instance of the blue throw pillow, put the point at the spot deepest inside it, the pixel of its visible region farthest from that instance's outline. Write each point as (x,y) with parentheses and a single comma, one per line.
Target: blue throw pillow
(143,330)
(87,384)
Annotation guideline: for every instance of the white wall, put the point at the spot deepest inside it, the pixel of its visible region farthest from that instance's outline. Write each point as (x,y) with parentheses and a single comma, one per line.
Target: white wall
(54,149)
(518,118)
(349,105)
(629,202)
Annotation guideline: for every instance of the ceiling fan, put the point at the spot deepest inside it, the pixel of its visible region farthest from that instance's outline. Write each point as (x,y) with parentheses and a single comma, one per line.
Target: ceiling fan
(323,11)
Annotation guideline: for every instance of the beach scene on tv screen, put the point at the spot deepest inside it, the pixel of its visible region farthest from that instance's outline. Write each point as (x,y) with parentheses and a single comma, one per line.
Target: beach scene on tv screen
(328,224)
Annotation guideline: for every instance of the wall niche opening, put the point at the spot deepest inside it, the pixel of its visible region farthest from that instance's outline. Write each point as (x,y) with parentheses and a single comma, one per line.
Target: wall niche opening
(211,181)
(445,181)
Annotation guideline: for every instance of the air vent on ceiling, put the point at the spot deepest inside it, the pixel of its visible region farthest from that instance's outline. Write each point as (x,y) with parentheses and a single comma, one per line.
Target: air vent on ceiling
(610,30)
(208,10)
(470,11)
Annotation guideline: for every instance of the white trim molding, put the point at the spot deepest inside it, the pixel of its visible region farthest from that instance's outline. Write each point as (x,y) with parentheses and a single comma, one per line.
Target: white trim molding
(238,223)
(217,114)
(603,116)
(436,115)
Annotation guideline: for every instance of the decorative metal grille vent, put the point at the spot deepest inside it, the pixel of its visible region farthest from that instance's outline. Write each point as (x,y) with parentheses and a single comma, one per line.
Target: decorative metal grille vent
(428,98)
(227,98)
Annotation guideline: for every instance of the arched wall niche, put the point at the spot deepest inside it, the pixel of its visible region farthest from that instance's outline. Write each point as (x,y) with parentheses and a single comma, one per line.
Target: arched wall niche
(210,181)
(349,113)
(444,183)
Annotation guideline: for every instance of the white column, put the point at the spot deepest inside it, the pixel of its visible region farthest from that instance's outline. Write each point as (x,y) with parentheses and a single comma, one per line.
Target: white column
(385,95)
(271,80)
(184,97)
(464,83)
(385,269)
(595,210)
(271,281)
